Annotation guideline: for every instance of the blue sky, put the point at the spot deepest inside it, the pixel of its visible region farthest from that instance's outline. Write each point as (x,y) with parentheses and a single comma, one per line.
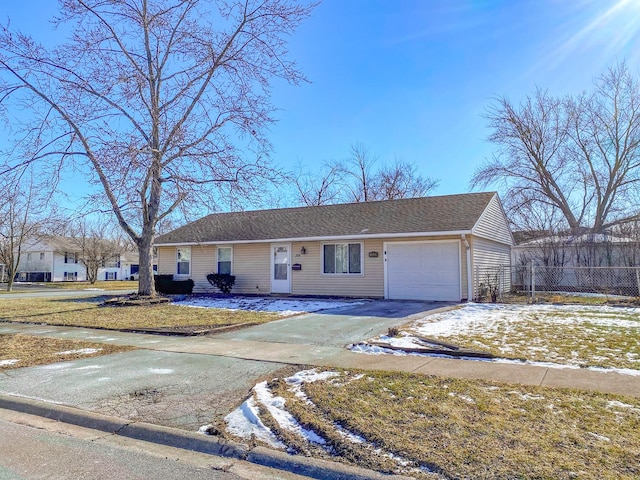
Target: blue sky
(411,79)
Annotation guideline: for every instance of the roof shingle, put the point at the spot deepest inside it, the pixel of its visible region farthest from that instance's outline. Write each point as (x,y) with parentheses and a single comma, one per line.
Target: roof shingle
(446,213)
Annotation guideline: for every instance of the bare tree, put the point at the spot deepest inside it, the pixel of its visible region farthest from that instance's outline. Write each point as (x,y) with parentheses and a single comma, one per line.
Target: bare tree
(322,189)
(360,179)
(401,180)
(21,219)
(96,246)
(163,103)
(579,155)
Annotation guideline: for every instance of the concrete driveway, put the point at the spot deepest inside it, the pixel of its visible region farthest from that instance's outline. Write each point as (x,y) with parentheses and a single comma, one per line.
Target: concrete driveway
(336,328)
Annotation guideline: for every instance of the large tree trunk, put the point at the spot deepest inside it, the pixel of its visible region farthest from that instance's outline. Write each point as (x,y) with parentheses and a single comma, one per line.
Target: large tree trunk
(146,284)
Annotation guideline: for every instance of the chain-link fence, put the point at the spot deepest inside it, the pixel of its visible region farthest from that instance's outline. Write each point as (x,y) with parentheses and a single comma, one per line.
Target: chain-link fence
(532,279)
(491,283)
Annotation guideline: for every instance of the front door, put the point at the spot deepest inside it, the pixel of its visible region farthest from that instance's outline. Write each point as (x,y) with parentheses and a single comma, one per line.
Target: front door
(280,268)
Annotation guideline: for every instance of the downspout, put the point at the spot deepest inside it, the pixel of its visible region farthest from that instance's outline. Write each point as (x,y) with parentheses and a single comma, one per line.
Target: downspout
(469,277)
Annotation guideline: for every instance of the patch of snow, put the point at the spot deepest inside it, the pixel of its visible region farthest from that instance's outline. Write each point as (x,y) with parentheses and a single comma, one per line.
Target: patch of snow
(12,361)
(244,422)
(463,397)
(599,437)
(161,371)
(90,367)
(616,403)
(526,396)
(94,289)
(81,351)
(376,350)
(284,307)
(286,421)
(205,429)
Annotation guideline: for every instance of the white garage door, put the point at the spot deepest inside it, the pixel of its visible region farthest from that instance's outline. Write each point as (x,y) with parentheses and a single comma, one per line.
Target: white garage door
(423,271)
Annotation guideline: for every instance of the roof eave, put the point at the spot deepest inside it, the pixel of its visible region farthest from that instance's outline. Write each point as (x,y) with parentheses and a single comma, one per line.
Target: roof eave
(324,238)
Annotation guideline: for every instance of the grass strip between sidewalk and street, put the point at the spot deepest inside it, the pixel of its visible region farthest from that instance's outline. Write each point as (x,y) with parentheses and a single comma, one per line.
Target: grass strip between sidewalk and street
(17,351)
(88,312)
(469,428)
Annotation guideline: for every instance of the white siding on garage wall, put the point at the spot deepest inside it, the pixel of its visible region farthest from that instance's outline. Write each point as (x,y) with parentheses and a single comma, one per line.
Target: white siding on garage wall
(488,257)
(493,224)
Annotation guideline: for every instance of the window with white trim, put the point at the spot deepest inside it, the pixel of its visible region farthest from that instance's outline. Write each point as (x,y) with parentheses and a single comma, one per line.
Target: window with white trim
(225,258)
(70,276)
(342,258)
(183,255)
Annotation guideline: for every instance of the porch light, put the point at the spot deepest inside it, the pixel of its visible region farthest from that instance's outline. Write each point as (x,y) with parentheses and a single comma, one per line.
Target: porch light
(303,251)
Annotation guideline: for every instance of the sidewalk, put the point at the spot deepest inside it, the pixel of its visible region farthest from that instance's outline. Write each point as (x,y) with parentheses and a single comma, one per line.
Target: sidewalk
(326,356)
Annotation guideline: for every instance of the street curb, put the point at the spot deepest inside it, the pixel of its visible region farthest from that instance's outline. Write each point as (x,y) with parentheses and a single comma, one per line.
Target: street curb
(173,437)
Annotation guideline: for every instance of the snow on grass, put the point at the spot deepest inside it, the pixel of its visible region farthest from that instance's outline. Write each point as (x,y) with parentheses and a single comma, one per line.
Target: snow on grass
(81,351)
(11,361)
(600,338)
(245,421)
(284,307)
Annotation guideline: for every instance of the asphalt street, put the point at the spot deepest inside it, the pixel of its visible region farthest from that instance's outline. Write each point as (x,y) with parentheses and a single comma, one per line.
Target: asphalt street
(33,448)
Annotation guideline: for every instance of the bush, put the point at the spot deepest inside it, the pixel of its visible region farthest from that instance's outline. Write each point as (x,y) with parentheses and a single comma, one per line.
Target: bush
(167,285)
(222,281)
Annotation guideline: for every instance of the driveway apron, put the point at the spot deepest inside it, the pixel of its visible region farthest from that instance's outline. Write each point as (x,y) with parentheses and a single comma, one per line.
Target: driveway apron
(335,328)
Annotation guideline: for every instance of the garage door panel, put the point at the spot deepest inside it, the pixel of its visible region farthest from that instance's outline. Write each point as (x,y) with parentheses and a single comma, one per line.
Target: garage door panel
(423,271)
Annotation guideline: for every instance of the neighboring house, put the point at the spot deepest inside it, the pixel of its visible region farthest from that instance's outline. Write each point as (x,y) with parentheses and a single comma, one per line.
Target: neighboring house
(584,250)
(421,248)
(57,259)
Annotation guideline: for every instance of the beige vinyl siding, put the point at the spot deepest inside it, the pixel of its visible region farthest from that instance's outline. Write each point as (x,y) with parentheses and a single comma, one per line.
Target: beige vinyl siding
(167,262)
(488,256)
(311,281)
(493,223)
(203,262)
(252,268)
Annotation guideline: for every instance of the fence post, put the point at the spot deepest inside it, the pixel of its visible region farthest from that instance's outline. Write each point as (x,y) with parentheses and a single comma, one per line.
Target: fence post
(638,279)
(533,283)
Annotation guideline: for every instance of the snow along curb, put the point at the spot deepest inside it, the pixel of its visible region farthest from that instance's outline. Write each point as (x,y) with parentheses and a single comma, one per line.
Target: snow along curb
(310,467)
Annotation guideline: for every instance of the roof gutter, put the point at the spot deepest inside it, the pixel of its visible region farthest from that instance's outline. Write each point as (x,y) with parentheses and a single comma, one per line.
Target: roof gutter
(451,233)
(469,276)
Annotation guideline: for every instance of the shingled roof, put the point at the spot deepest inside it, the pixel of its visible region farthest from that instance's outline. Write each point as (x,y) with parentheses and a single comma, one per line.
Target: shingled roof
(448,213)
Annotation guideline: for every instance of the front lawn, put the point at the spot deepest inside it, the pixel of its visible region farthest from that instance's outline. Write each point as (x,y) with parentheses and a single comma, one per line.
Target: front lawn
(577,335)
(446,428)
(99,285)
(87,312)
(17,351)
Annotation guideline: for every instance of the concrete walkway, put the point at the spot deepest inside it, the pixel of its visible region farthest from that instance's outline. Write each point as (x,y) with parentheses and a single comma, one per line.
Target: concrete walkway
(331,356)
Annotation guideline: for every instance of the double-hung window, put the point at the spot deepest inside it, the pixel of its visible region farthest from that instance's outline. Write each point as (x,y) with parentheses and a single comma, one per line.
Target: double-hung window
(225,255)
(342,258)
(184,260)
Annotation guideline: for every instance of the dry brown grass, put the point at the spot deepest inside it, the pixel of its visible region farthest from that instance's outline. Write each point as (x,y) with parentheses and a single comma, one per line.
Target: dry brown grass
(100,285)
(474,429)
(31,351)
(87,312)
